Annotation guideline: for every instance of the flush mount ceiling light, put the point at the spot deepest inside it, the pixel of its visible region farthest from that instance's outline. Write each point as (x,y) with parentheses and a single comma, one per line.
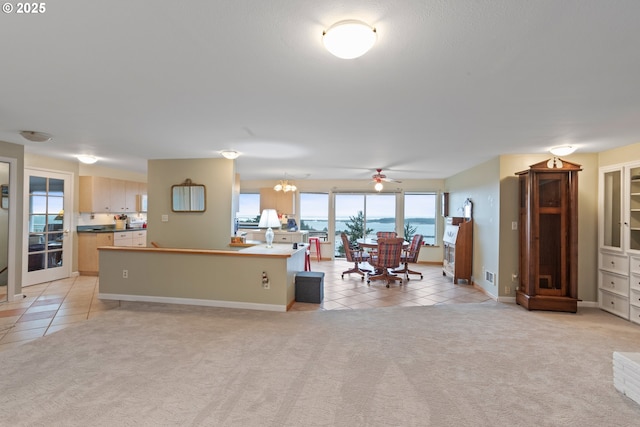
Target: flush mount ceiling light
(230,154)
(87,159)
(349,39)
(563,150)
(34,136)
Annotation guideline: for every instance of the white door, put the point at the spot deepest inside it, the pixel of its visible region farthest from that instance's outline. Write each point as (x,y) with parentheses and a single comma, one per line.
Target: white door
(47,206)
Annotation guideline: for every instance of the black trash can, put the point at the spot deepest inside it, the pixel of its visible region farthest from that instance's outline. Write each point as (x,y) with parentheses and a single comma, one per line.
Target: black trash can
(310,286)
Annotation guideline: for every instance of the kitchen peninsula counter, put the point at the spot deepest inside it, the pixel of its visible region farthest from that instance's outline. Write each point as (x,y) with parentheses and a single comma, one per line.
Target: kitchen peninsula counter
(214,277)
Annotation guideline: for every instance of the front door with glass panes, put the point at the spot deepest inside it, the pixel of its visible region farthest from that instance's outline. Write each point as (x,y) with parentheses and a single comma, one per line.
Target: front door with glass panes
(47,250)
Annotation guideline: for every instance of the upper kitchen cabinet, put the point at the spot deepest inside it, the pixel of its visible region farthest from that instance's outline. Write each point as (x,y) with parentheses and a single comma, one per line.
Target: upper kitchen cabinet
(99,194)
(281,201)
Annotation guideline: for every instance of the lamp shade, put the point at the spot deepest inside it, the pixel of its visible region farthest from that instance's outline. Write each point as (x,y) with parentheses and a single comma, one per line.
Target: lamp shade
(349,39)
(269,218)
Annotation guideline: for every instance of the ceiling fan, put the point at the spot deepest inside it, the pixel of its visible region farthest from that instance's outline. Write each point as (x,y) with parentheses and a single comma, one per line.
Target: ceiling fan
(379,177)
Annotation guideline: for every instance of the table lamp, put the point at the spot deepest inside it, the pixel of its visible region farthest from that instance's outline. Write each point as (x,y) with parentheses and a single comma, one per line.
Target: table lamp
(269,218)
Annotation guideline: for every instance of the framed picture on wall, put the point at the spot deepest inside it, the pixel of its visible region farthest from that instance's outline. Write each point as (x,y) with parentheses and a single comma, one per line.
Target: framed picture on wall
(4,189)
(444,202)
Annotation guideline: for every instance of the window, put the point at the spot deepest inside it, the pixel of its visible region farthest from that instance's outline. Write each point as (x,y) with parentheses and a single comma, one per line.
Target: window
(420,216)
(248,208)
(314,213)
(363,215)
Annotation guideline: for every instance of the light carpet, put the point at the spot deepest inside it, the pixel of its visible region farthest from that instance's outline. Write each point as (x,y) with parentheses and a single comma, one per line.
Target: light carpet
(486,364)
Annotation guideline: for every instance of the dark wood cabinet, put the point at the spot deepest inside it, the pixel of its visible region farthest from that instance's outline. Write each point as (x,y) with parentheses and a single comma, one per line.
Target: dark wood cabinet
(458,249)
(549,236)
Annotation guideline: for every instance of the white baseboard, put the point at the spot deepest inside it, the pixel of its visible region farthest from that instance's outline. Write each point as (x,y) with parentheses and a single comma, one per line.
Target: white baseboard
(192,301)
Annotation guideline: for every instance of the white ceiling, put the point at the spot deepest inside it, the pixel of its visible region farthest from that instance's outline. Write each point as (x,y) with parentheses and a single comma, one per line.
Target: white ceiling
(449,84)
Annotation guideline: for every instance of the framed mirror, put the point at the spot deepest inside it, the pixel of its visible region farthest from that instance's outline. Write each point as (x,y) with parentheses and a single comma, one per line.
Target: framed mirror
(4,189)
(188,197)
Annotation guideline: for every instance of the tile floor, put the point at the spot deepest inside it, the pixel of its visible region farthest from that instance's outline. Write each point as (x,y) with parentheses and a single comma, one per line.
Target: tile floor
(353,293)
(49,307)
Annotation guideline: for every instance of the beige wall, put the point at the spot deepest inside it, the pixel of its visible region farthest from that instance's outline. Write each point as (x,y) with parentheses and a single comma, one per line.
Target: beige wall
(16,152)
(200,278)
(493,187)
(626,154)
(481,185)
(210,229)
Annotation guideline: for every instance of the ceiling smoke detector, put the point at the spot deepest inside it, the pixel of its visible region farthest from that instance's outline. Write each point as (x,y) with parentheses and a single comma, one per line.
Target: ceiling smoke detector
(34,136)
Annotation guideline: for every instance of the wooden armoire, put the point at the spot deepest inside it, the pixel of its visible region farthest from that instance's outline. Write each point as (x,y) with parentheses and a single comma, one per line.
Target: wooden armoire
(549,236)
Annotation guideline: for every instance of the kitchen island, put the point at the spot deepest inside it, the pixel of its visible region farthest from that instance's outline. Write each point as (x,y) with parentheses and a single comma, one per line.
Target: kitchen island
(231,277)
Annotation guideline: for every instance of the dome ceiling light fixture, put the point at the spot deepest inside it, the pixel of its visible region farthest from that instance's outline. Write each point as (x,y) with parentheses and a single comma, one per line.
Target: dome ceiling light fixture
(230,154)
(349,39)
(563,150)
(34,136)
(87,159)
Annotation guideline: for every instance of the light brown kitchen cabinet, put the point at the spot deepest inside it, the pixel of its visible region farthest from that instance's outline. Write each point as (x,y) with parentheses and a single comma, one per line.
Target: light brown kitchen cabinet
(109,195)
(88,244)
(549,236)
(95,194)
(278,200)
(118,195)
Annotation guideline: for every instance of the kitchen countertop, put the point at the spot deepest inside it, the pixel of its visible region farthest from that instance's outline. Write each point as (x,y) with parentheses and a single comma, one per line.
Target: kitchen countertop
(104,229)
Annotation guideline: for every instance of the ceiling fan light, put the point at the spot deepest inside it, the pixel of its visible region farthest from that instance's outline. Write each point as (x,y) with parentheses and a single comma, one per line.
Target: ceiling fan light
(378,186)
(87,159)
(563,150)
(349,39)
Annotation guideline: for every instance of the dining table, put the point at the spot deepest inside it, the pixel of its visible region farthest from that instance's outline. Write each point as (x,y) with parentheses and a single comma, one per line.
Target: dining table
(372,243)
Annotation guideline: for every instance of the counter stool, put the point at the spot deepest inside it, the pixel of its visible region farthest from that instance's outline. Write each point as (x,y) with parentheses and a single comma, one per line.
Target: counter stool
(317,243)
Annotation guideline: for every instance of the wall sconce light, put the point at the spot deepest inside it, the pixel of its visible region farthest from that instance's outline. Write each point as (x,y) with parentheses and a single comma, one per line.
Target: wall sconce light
(349,39)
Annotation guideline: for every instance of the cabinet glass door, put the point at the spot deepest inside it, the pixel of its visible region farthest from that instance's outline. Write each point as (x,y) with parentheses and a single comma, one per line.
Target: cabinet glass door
(612,209)
(634,208)
(551,229)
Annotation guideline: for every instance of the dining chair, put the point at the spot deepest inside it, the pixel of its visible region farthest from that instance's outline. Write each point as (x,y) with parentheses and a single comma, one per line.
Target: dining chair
(354,255)
(386,234)
(410,255)
(388,257)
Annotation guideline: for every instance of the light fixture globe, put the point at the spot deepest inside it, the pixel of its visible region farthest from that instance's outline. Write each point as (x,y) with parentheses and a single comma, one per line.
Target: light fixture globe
(349,39)
(378,186)
(563,150)
(87,159)
(230,154)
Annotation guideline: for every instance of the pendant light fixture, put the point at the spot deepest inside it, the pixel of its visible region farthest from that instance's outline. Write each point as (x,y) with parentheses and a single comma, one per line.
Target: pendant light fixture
(349,39)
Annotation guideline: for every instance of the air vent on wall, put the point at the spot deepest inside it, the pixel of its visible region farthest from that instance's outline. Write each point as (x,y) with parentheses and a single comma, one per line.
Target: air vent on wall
(489,276)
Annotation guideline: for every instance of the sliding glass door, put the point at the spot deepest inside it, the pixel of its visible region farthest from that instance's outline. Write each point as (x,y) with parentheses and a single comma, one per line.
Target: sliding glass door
(363,215)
